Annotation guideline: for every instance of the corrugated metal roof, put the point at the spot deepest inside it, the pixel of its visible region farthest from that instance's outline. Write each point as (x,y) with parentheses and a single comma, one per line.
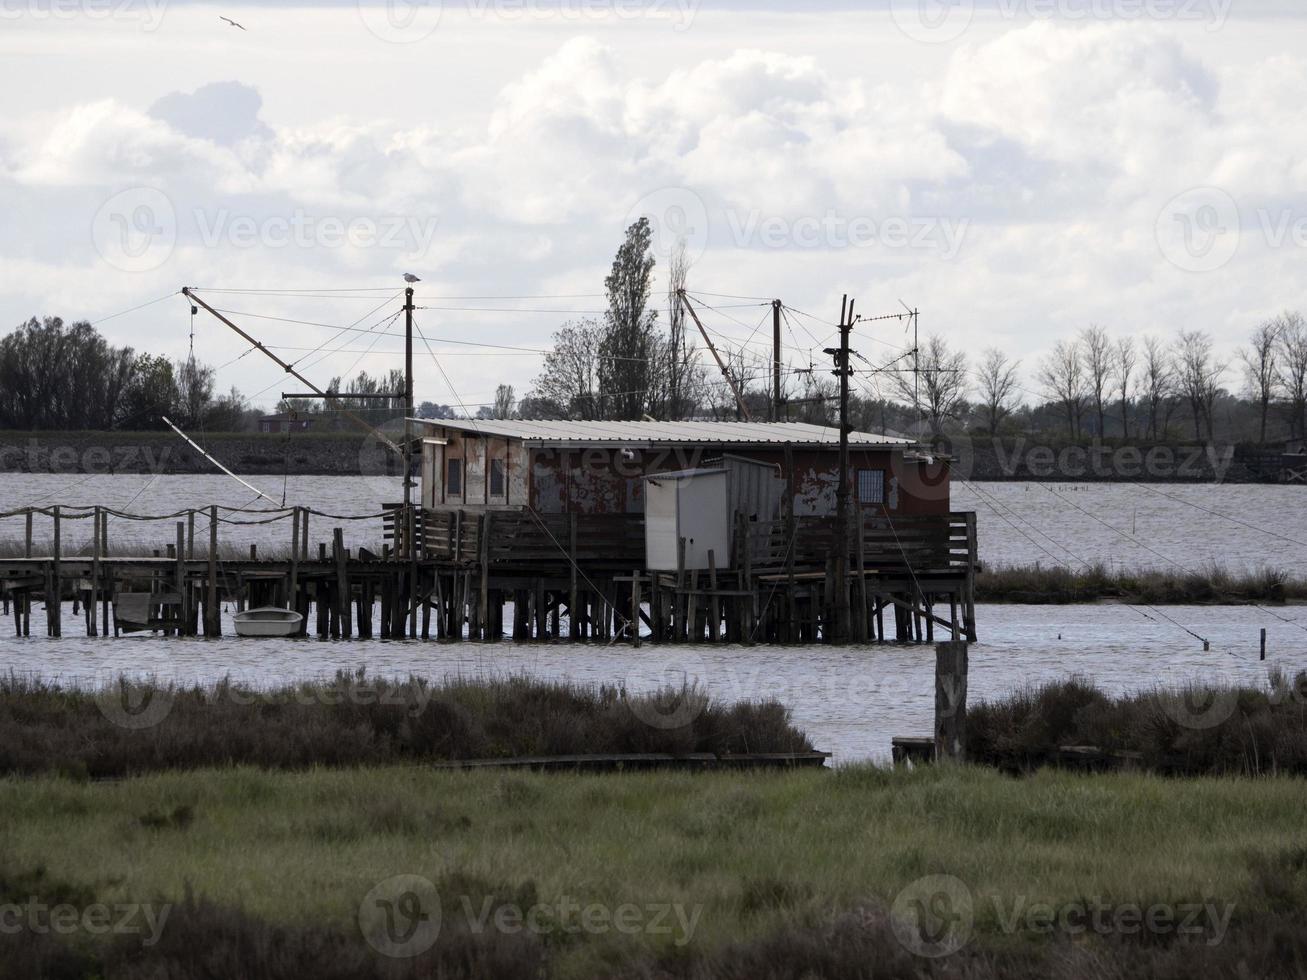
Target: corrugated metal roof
(652,433)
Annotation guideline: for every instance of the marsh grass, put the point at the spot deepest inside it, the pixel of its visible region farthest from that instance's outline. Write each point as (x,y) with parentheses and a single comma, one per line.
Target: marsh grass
(794,873)
(1195,730)
(1060,585)
(131,727)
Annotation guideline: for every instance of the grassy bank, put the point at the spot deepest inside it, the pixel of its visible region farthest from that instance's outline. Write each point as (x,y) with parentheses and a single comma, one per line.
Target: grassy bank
(1215,585)
(136,727)
(1193,731)
(783,875)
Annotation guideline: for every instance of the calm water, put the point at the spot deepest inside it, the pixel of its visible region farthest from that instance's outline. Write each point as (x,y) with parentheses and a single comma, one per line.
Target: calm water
(850,700)
(1120,524)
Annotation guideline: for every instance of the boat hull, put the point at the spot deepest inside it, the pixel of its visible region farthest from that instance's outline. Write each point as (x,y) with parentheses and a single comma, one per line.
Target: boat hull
(268,622)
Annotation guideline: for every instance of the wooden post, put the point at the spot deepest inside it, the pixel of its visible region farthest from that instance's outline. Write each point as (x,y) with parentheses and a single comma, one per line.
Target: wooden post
(682,628)
(190,536)
(950,700)
(573,617)
(106,594)
(304,537)
(27,541)
(635,608)
(483,598)
(714,602)
(183,607)
(95,575)
(1263,657)
(57,628)
(863,614)
(342,611)
(973,556)
(212,613)
(292,600)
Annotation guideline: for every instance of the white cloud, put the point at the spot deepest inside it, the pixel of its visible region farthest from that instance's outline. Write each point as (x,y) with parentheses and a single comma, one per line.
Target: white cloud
(1050,149)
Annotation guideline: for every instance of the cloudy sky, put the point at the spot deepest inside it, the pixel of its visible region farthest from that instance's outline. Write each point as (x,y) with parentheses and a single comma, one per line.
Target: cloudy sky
(1016,169)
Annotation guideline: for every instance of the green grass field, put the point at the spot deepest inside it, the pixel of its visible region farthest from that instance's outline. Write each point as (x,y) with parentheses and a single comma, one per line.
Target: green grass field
(753,858)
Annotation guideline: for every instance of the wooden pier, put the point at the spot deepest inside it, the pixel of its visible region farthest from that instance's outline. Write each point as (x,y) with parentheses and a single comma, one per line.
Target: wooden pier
(493,574)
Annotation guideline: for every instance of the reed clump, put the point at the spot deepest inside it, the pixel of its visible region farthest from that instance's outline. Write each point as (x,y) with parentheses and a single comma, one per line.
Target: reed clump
(129,726)
(1194,729)
(1215,584)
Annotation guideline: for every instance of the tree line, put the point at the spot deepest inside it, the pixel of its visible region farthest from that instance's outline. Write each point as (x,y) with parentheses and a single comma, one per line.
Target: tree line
(55,375)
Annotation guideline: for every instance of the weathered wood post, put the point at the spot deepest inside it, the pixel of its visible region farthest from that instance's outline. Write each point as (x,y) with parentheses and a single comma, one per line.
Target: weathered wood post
(293,598)
(212,612)
(107,595)
(57,628)
(573,615)
(950,701)
(635,608)
(341,615)
(183,594)
(94,596)
(483,596)
(27,540)
(1263,657)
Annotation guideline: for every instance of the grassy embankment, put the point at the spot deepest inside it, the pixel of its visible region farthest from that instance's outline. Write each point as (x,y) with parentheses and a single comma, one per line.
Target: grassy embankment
(1214,586)
(783,875)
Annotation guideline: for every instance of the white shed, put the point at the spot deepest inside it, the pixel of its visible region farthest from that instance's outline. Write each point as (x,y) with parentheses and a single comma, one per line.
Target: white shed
(690,504)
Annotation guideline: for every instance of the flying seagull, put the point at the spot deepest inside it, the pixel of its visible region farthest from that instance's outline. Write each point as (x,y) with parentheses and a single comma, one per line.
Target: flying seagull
(409,277)
(231,22)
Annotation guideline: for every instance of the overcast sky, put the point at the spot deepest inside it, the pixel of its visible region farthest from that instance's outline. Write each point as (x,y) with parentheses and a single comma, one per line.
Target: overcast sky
(1016,169)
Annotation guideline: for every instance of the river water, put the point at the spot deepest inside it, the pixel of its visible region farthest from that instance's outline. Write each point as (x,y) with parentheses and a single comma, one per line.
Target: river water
(850,700)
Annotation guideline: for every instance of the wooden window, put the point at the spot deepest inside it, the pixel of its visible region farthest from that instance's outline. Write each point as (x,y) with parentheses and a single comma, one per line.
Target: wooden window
(454,482)
(496,478)
(871,486)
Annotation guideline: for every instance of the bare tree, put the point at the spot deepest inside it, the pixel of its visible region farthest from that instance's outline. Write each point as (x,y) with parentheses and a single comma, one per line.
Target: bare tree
(1062,374)
(996,384)
(1198,375)
(504,402)
(681,374)
(1159,380)
(939,385)
(570,378)
(1124,365)
(1096,349)
(1259,369)
(1291,372)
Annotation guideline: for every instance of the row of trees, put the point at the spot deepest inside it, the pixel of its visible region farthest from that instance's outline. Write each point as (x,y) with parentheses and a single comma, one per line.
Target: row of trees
(66,376)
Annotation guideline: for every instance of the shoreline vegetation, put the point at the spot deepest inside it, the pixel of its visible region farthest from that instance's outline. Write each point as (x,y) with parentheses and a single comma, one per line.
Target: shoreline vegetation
(1195,730)
(129,726)
(744,876)
(1058,585)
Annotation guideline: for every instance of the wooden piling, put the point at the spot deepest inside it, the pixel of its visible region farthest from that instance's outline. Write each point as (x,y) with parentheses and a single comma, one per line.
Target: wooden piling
(212,612)
(950,700)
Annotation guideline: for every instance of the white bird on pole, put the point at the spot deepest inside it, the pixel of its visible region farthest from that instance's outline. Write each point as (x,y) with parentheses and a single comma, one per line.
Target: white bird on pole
(409,277)
(231,22)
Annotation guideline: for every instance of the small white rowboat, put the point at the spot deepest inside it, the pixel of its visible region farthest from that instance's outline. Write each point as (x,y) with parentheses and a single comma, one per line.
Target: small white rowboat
(269,621)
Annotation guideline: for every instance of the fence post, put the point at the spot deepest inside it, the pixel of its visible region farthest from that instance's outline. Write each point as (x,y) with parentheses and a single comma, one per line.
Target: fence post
(950,700)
